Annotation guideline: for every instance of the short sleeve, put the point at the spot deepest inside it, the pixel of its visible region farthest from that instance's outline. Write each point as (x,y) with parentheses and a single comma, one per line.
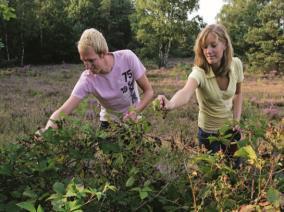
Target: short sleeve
(80,90)
(197,74)
(239,70)
(136,65)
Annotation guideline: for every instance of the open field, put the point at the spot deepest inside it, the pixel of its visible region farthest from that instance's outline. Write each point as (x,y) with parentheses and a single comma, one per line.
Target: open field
(79,166)
(30,94)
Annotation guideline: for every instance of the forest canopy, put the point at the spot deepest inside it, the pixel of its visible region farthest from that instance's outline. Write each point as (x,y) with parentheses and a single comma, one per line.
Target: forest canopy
(46,31)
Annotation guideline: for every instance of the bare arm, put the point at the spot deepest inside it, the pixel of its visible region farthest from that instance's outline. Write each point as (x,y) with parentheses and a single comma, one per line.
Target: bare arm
(237,103)
(181,97)
(71,103)
(148,93)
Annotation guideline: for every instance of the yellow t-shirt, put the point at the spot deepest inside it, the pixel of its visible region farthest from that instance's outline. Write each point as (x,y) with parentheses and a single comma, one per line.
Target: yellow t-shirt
(215,105)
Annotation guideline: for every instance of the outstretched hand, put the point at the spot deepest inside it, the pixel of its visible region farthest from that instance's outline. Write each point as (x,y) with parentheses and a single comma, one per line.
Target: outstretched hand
(237,129)
(130,115)
(38,134)
(40,131)
(164,102)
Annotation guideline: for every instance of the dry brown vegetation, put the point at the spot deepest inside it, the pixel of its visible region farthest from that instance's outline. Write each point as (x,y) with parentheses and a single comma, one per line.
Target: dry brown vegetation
(30,94)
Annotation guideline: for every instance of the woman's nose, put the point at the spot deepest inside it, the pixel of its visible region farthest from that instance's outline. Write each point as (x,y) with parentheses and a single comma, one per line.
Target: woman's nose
(209,49)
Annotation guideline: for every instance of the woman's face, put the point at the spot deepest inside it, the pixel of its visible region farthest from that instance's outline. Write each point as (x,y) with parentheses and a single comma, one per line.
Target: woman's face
(213,50)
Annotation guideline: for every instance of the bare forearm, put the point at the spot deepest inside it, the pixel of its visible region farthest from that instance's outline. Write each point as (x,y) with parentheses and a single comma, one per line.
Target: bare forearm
(179,99)
(183,96)
(51,121)
(237,106)
(71,103)
(147,98)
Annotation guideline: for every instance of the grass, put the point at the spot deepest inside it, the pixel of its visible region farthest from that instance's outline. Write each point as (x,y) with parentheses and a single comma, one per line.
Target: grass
(30,94)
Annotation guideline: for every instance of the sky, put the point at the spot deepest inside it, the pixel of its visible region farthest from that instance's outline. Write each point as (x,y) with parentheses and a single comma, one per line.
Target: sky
(208,10)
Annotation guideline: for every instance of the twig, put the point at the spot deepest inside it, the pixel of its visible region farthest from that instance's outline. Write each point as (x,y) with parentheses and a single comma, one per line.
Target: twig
(252,185)
(192,188)
(271,171)
(144,203)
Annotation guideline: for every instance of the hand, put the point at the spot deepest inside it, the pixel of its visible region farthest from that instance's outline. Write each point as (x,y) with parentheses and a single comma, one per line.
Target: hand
(130,115)
(164,102)
(236,125)
(40,131)
(90,114)
(38,135)
(237,130)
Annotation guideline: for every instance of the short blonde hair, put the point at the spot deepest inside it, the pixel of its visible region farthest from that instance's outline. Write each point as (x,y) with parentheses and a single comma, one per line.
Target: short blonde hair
(92,38)
(200,60)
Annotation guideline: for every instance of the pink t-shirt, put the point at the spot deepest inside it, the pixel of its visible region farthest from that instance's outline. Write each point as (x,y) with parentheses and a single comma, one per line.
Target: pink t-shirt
(116,90)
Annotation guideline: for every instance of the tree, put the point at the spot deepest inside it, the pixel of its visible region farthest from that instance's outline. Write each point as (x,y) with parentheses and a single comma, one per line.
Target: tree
(6,13)
(268,39)
(108,16)
(159,23)
(238,16)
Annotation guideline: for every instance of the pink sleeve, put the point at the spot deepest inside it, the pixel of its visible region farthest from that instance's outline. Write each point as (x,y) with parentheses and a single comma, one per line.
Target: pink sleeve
(80,90)
(136,65)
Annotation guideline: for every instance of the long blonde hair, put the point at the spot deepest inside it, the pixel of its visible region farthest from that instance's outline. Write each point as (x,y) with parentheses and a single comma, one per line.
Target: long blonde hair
(200,60)
(92,38)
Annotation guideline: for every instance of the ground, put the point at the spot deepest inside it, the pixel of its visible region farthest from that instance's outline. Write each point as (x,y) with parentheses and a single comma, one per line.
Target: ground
(30,94)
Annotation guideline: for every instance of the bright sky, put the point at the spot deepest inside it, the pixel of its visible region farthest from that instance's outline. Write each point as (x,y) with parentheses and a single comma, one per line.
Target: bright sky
(208,10)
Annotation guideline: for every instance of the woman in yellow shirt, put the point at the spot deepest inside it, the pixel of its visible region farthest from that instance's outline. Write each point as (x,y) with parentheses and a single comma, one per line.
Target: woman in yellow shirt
(216,78)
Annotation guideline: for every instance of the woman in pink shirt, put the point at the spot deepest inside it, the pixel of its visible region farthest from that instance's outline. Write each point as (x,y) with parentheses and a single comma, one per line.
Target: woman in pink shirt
(112,77)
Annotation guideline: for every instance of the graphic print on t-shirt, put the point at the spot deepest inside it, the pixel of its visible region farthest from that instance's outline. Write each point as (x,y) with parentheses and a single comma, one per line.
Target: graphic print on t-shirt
(129,85)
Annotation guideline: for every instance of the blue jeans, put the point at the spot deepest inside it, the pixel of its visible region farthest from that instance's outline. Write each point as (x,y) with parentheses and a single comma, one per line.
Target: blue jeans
(215,146)
(104,125)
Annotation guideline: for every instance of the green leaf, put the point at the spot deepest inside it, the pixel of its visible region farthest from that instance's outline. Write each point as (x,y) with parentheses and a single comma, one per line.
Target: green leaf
(39,209)
(207,158)
(58,188)
(109,147)
(246,152)
(147,183)
(130,182)
(5,169)
(273,196)
(30,193)
(99,195)
(55,196)
(134,171)
(147,189)
(143,194)
(74,205)
(29,206)
(136,189)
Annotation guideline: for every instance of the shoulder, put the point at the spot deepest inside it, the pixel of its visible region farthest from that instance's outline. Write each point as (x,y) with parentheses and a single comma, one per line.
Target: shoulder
(237,69)
(85,74)
(127,53)
(198,74)
(237,63)
(197,71)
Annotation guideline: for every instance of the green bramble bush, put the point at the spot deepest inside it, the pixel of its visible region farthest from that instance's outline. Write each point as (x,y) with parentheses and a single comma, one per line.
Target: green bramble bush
(79,168)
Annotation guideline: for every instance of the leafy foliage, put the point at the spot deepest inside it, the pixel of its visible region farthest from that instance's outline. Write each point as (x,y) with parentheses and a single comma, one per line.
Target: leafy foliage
(7,13)
(47,31)
(81,168)
(268,38)
(158,24)
(256,29)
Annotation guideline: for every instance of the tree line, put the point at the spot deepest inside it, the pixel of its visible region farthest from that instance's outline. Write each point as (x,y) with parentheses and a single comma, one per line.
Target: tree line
(46,31)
